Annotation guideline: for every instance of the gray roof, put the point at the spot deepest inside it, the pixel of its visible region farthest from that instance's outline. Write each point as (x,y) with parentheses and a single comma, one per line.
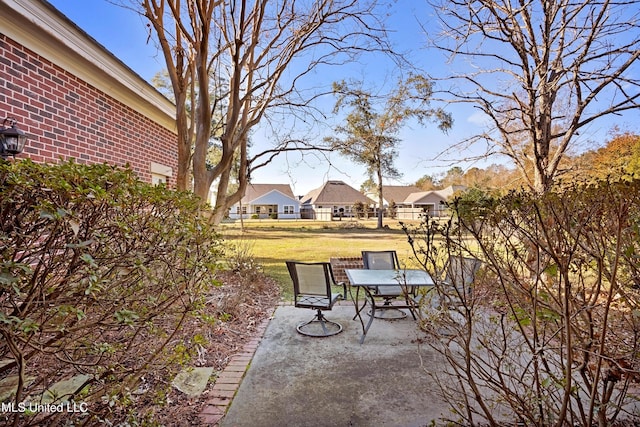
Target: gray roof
(398,193)
(448,192)
(335,193)
(255,191)
(433,195)
(414,197)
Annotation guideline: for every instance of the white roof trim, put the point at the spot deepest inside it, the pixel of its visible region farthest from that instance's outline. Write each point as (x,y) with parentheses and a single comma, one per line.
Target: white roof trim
(41,28)
(273,191)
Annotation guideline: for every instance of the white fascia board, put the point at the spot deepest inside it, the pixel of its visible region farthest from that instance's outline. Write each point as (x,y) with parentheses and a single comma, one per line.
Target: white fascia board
(267,198)
(39,27)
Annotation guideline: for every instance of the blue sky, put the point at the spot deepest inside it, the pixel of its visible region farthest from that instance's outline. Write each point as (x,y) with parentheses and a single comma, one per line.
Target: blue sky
(125,34)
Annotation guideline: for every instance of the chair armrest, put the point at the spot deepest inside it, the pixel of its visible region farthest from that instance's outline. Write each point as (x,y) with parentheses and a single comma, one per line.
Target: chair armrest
(344,289)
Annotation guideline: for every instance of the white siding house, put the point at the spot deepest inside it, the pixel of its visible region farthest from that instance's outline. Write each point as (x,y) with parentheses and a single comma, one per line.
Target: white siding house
(267,201)
(395,194)
(432,202)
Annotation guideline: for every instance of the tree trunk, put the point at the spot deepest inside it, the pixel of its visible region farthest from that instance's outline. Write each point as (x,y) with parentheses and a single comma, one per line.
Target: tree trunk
(184,152)
(380,199)
(224,200)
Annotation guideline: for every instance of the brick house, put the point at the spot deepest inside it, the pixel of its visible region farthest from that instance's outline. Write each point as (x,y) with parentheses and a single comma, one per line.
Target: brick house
(77,100)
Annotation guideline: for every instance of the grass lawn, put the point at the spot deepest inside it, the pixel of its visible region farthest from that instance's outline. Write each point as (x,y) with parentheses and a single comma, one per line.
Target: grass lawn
(273,242)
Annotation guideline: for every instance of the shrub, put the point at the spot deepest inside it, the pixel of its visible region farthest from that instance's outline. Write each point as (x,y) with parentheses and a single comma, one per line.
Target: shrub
(246,274)
(550,334)
(99,271)
(359,209)
(393,210)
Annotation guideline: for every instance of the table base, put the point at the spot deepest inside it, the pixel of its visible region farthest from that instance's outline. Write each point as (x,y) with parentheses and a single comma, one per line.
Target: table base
(390,313)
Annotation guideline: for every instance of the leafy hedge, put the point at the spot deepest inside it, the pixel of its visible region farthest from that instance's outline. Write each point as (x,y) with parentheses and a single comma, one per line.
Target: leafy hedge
(99,272)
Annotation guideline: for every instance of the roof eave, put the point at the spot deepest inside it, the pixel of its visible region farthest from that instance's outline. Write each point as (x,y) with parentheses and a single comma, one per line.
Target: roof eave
(41,28)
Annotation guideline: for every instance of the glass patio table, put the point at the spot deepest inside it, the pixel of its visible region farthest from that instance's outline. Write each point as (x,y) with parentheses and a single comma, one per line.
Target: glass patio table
(369,280)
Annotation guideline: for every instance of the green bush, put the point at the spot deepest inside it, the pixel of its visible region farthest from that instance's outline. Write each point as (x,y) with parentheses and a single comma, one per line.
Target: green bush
(99,272)
(359,209)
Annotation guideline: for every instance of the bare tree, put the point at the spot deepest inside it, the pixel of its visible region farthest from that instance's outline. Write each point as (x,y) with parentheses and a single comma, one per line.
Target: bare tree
(257,54)
(541,70)
(370,136)
(550,340)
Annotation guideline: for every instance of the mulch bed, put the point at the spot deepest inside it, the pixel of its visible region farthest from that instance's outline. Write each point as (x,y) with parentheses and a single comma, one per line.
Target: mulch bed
(240,304)
(243,300)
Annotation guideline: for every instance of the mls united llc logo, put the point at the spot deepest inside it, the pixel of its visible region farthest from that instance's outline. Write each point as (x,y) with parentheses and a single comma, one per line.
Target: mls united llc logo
(31,407)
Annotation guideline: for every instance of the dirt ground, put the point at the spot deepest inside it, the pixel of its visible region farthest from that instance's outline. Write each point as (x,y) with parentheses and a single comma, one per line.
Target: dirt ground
(245,301)
(239,305)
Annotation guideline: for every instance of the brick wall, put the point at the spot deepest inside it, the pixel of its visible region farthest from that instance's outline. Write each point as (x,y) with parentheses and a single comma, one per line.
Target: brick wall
(68,118)
(339,264)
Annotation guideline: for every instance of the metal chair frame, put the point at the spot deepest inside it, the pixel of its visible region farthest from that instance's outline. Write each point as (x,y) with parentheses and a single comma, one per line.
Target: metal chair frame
(460,273)
(386,260)
(315,293)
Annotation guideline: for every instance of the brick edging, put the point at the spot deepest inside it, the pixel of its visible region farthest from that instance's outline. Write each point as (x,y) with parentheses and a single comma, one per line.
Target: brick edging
(228,381)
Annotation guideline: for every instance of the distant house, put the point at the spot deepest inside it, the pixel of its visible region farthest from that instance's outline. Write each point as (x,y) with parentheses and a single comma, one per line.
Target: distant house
(333,199)
(267,201)
(432,202)
(394,194)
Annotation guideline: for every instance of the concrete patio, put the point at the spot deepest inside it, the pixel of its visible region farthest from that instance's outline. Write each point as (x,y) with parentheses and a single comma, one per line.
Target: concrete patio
(296,380)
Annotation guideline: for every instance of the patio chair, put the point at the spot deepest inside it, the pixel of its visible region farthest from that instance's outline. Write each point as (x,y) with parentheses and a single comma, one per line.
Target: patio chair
(460,273)
(312,283)
(453,297)
(385,260)
(380,260)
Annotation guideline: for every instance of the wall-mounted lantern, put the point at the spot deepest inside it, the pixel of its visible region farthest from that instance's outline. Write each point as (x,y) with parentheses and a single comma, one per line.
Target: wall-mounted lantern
(12,139)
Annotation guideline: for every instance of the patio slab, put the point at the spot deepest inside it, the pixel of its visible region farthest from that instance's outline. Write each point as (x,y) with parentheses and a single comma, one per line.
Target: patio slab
(335,381)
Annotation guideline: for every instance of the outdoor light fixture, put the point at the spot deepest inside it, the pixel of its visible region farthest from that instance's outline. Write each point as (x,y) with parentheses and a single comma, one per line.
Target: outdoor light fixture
(12,139)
